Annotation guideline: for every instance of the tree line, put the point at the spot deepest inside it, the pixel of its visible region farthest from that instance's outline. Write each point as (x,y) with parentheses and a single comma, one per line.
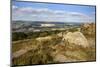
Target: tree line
(23,35)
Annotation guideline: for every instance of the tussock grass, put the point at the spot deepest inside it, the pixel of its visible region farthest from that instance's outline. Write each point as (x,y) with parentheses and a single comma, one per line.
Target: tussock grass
(46,51)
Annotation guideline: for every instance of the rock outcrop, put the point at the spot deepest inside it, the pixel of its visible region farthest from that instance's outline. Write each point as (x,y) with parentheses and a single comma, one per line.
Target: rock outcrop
(76,38)
(88,29)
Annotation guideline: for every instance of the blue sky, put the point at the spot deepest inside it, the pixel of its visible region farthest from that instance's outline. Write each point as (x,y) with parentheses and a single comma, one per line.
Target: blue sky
(32,11)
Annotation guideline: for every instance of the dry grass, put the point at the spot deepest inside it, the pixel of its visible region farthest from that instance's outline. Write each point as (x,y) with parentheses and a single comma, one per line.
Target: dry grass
(46,51)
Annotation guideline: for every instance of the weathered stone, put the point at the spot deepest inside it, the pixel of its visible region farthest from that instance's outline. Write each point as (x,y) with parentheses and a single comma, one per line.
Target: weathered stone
(76,38)
(88,28)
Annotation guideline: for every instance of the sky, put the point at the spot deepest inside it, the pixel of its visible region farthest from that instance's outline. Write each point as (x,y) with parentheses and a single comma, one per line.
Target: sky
(35,11)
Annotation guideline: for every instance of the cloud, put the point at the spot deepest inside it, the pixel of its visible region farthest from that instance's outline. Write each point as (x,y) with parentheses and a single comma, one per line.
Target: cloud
(77,14)
(14,7)
(45,14)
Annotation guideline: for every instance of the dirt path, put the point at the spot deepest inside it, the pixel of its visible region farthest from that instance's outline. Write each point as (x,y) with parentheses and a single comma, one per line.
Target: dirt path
(21,52)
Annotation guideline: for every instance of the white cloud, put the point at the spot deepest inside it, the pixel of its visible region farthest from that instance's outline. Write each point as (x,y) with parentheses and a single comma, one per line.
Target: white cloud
(14,7)
(44,14)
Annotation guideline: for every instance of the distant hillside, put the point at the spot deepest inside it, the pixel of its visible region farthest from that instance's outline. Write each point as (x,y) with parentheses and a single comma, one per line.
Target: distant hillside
(25,26)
